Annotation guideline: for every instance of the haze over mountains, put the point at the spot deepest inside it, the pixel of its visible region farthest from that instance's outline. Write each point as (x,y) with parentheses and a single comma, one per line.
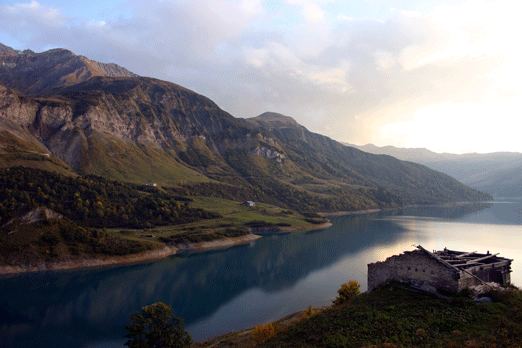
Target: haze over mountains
(499,173)
(66,113)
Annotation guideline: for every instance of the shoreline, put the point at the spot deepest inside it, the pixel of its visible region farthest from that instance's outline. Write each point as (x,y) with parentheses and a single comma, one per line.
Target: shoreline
(244,337)
(218,244)
(146,256)
(138,258)
(166,251)
(321,226)
(125,260)
(350,212)
(377,210)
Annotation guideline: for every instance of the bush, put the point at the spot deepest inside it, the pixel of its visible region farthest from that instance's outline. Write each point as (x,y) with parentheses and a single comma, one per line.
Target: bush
(347,292)
(310,312)
(263,332)
(156,326)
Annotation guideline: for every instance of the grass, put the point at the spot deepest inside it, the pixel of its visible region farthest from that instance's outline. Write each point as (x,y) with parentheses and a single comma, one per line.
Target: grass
(62,240)
(235,221)
(19,149)
(128,162)
(395,316)
(58,240)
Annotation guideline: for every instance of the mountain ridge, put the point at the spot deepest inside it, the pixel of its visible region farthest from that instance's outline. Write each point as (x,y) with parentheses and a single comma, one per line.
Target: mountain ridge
(141,129)
(497,173)
(32,73)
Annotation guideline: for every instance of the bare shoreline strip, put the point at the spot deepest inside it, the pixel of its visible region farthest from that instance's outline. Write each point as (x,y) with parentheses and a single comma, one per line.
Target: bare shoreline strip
(146,256)
(376,210)
(352,212)
(143,257)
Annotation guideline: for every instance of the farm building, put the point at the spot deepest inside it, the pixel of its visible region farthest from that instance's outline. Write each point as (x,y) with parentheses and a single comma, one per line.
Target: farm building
(445,270)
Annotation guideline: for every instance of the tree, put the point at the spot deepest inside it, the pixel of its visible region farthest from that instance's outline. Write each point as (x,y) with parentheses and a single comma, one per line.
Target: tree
(156,326)
(347,291)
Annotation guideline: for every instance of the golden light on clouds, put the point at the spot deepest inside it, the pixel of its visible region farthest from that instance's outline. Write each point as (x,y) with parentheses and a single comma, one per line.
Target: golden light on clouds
(465,77)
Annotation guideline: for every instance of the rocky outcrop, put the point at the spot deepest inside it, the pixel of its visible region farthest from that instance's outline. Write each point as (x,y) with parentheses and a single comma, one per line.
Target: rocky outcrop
(39,73)
(101,119)
(269,153)
(40,214)
(35,215)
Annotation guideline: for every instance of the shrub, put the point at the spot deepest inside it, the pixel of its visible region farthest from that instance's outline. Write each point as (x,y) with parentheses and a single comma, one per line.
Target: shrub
(310,312)
(156,326)
(347,292)
(263,332)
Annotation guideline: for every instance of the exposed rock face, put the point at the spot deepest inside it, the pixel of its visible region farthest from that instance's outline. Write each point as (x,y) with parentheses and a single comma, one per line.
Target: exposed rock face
(40,214)
(269,153)
(6,50)
(100,119)
(38,73)
(36,215)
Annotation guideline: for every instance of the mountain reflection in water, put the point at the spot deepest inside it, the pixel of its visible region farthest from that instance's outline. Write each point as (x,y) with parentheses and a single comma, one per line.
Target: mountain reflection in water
(231,289)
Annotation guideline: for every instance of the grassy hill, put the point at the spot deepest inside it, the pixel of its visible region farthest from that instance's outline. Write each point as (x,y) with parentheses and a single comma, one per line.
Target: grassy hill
(46,217)
(394,316)
(91,200)
(62,240)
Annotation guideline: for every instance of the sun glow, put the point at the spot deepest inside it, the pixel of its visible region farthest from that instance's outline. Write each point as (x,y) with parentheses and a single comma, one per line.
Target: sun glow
(444,127)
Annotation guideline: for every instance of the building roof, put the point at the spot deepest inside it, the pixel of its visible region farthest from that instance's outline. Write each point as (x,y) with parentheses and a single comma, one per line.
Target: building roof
(462,260)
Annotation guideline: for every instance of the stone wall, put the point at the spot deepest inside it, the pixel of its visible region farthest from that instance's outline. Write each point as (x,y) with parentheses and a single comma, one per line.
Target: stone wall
(487,273)
(415,268)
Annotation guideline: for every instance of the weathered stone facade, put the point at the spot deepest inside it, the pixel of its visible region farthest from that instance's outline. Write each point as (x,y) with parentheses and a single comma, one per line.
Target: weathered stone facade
(449,271)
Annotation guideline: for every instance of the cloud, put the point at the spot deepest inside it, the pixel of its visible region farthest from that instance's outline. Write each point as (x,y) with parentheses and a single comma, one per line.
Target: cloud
(22,19)
(310,9)
(357,77)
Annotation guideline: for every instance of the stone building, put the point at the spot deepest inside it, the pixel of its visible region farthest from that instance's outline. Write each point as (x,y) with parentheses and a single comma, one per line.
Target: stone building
(446,270)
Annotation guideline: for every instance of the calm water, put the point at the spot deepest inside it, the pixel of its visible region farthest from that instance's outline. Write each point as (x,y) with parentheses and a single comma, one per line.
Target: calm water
(237,288)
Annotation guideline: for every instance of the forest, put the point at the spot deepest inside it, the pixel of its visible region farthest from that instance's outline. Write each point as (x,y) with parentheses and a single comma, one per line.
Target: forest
(92,200)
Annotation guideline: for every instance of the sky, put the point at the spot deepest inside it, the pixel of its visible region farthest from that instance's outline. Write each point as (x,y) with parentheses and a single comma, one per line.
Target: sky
(440,74)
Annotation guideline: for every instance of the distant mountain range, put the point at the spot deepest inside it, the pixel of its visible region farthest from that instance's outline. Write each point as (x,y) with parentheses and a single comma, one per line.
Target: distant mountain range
(69,114)
(498,173)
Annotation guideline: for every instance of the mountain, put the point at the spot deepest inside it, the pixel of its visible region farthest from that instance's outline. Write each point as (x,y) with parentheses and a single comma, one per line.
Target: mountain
(112,123)
(33,73)
(498,173)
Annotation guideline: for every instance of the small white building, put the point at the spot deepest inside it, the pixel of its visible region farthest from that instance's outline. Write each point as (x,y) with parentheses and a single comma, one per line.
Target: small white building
(249,204)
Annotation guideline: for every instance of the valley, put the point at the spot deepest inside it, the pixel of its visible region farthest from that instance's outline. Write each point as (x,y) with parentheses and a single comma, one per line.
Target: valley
(132,164)
(496,173)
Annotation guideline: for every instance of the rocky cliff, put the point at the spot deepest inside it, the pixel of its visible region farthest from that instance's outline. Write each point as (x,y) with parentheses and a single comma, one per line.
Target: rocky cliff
(101,119)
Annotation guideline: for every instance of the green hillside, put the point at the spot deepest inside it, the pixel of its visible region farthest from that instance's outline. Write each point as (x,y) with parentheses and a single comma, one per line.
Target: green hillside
(92,201)
(114,124)
(394,316)
(47,217)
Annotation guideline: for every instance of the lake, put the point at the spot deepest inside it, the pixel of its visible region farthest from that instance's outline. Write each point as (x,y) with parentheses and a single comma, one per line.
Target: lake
(232,289)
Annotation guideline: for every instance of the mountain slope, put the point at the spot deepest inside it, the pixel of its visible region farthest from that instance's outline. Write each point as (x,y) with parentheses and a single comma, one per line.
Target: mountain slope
(343,167)
(141,129)
(38,73)
(496,173)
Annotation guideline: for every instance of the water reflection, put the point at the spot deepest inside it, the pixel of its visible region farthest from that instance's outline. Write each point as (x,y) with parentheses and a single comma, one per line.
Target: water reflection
(224,290)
